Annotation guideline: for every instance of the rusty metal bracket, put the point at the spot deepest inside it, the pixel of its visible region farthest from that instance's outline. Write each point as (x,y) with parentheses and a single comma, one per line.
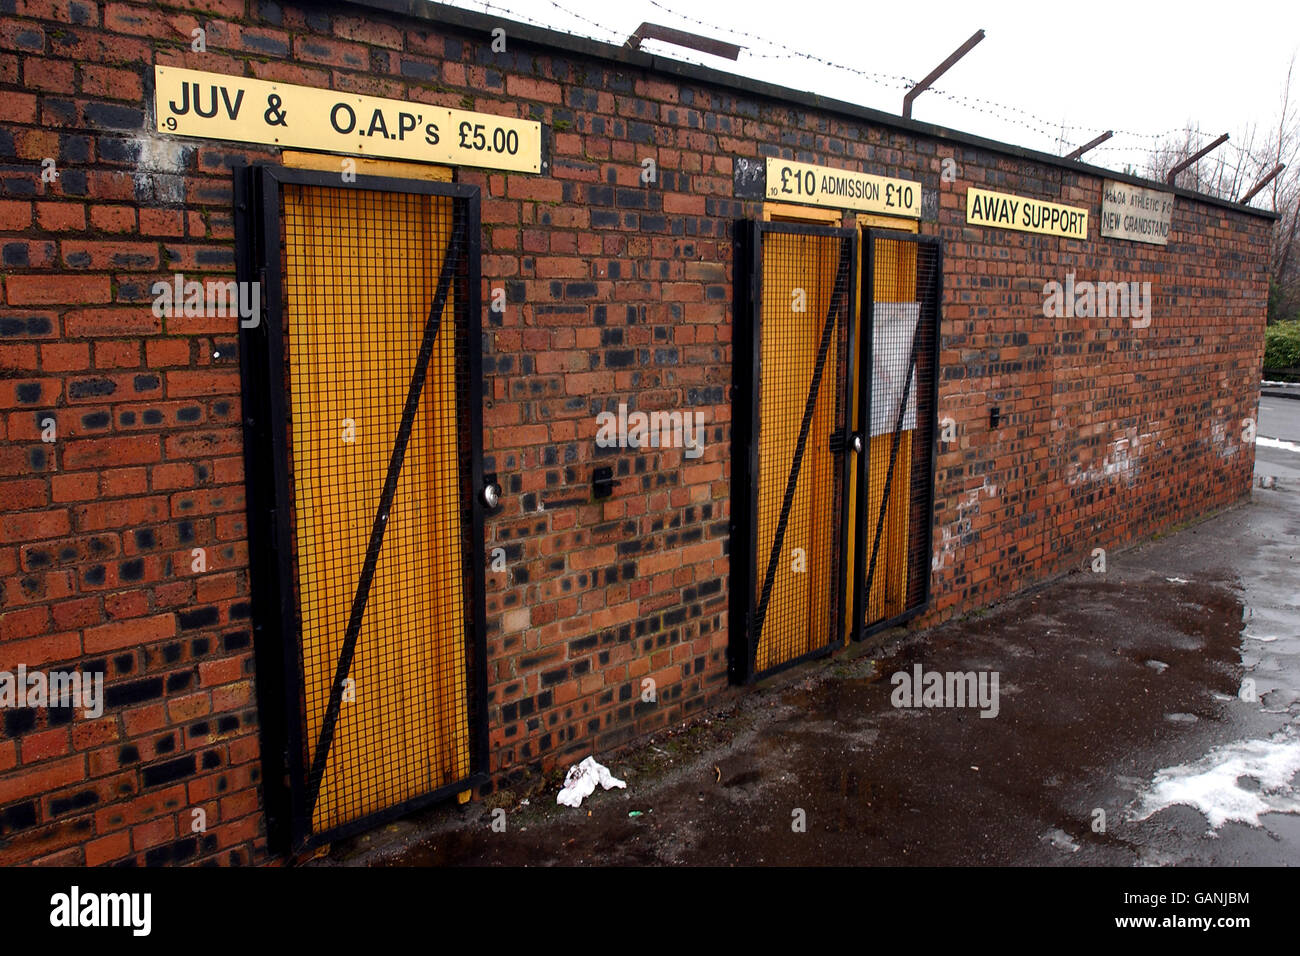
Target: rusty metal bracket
(692,41)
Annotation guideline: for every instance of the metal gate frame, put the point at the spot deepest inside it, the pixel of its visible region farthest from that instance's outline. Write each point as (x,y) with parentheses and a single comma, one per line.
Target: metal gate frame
(867,253)
(269,491)
(742,649)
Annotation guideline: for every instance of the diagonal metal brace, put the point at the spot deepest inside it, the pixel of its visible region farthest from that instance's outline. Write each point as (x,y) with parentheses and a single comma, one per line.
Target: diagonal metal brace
(810,405)
(398,456)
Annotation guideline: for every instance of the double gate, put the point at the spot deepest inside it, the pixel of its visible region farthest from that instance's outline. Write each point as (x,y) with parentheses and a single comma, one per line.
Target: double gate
(834,428)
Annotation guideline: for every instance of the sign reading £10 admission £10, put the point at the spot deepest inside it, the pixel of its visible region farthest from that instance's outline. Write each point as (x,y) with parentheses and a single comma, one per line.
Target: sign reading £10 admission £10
(1134,213)
(841,188)
(1005,211)
(241,109)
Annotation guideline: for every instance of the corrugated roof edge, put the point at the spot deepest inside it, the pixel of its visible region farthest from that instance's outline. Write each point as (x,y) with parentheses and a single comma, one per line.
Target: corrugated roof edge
(472,20)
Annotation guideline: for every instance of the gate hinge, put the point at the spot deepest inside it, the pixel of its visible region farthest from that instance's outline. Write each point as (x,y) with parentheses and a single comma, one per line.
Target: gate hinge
(264,299)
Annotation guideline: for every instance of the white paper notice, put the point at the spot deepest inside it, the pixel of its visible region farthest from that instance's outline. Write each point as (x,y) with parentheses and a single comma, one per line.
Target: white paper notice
(894,325)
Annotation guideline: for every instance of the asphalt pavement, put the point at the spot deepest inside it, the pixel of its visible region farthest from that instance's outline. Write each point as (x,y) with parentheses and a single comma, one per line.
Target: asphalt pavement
(1146,715)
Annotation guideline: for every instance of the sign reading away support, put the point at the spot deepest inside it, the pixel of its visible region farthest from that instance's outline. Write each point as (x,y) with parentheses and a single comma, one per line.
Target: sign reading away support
(1131,212)
(216,106)
(841,188)
(1005,211)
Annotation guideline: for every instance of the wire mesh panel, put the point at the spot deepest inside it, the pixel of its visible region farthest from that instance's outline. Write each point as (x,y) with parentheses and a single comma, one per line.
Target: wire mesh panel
(376,289)
(801,307)
(903,274)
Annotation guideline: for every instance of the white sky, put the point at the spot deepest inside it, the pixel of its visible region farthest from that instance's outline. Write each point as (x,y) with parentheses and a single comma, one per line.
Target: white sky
(1138,66)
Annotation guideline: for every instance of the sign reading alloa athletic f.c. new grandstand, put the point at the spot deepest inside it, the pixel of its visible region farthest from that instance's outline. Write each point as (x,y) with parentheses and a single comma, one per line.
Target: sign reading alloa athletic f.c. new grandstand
(1137,214)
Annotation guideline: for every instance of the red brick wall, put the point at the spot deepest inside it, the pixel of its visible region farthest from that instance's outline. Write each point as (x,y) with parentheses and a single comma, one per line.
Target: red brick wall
(1109,433)
(617,292)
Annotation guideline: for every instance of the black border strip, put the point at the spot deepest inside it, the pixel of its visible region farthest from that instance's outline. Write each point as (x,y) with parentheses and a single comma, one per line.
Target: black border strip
(258,387)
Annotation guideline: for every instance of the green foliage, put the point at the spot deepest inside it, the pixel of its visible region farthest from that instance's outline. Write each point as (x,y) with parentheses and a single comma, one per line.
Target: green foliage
(1282,345)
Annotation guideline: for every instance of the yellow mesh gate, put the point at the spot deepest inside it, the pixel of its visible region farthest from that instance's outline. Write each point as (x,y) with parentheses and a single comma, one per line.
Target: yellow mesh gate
(375,503)
(360,270)
(900,335)
(873,448)
(799,341)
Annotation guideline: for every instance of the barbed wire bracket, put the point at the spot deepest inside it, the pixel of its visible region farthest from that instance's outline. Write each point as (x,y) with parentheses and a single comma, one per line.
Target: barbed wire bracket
(939,71)
(1092,144)
(692,41)
(1194,157)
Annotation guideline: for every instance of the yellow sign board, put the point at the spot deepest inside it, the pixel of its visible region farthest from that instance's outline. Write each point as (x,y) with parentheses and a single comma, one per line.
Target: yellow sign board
(841,188)
(238,108)
(1005,211)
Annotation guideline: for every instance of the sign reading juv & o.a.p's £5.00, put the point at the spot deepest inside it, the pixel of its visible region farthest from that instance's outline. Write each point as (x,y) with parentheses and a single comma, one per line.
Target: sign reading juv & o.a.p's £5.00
(238,108)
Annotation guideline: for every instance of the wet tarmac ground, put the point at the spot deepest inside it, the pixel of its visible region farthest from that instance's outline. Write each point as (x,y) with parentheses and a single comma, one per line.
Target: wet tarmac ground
(1163,693)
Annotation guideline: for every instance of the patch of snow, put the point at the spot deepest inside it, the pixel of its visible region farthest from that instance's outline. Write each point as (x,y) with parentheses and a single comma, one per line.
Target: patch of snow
(1210,784)
(1276,443)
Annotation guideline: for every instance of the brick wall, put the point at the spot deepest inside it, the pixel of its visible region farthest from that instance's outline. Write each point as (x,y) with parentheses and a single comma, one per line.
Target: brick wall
(616,291)
(1109,433)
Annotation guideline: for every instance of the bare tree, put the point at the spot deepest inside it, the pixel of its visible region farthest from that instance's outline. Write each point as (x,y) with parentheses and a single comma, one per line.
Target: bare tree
(1232,169)
(1223,173)
(1284,298)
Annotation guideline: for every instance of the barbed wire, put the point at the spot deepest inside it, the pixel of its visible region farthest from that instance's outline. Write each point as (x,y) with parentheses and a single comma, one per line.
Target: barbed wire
(515,14)
(620,37)
(789,51)
(1039,123)
(996,110)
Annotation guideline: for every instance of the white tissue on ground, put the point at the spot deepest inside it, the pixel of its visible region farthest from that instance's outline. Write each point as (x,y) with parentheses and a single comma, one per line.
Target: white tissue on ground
(580,782)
